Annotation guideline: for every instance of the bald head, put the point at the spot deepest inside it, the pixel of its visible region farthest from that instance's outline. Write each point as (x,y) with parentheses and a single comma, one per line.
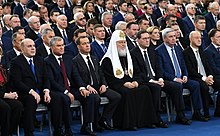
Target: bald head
(195,39)
(28,48)
(62,21)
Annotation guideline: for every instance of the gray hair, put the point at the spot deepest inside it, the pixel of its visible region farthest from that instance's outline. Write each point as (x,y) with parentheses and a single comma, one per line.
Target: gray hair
(30,20)
(104,14)
(218,23)
(166,31)
(213,4)
(188,6)
(46,30)
(117,26)
(77,14)
(54,39)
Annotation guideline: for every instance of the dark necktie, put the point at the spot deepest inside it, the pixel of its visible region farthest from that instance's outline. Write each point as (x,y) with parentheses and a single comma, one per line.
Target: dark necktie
(109,32)
(104,48)
(63,69)
(176,66)
(218,49)
(149,72)
(151,22)
(65,38)
(135,43)
(34,73)
(94,81)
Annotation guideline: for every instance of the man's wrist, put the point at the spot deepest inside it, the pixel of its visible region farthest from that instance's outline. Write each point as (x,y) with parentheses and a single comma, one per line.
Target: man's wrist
(66,92)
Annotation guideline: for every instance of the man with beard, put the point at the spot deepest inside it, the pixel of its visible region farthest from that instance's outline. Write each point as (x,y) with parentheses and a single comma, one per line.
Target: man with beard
(135,109)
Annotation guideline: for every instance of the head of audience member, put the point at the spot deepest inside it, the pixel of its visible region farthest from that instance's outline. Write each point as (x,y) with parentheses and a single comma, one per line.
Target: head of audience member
(35,13)
(218,24)
(214,35)
(27,13)
(24,2)
(40,2)
(148,9)
(1,11)
(195,39)
(47,35)
(14,21)
(44,13)
(193,2)
(106,19)
(77,9)
(99,2)
(109,4)
(130,8)
(19,29)
(154,34)
(200,23)
(62,22)
(80,19)
(214,8)
(83,45)
(121,25)
(79,33)
(123,6)
(34,23)
(0,31)
(178,2)
(191,10)
(143,24)
(89,26)
(129,17)
(171,9)
(53,15)
(176,28)
(169,37)
(143,39)
(121,45)
(16,41)
(57,46)
(162,4)
(141,3)
(89,7)
(152,1)
(6,8)
(134,2)
(28,48)
(170,19)
(6,20)
(61,3)
(44,26)
(99,32)
(131,30)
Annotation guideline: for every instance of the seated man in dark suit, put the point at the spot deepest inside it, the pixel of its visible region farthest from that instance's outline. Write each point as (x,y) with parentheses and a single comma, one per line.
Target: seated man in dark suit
(91,74)
(39,40)
(34,24)
(60,68)
(44,49)
(16,41)
(131,31)
(99,46)
(119,16)
(71,48)
(29,76)
(136,108)
(61,7)
(213,52)
(199,69)
(20,8)
(153,76)
(174,69)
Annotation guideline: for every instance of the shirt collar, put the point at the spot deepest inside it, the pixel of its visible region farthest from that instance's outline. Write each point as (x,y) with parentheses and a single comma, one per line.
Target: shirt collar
(194,49)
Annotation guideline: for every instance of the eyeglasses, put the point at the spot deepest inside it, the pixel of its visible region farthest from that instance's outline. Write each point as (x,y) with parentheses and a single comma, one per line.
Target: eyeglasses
(82,18)
(143,3)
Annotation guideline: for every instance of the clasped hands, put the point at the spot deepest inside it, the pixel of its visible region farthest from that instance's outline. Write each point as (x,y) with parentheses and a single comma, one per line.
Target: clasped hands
(131,85)
(91,90)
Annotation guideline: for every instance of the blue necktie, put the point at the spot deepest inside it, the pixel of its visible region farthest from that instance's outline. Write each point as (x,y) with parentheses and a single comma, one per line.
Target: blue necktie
(33,71)
(104,48)
(176,66)
(38,34)
(65,38)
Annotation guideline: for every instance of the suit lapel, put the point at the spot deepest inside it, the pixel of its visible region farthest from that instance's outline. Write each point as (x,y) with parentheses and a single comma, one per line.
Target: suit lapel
(27,66)
(82,63)
(54,61)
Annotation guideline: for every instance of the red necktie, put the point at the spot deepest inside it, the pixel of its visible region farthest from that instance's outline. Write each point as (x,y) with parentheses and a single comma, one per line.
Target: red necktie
(62,66)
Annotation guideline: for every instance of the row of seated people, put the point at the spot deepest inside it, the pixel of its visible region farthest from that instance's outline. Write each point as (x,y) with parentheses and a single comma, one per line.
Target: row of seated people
(131,80)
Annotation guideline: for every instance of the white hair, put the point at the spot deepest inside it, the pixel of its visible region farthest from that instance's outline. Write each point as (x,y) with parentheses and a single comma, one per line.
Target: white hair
(118,25)
(31,19)
(76,15)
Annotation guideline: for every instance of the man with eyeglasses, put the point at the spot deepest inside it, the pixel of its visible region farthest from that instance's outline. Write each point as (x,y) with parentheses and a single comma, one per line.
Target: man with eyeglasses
(212,17)
(80,21)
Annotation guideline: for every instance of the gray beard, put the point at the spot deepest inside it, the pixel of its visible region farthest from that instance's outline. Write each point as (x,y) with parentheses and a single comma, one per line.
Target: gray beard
(122,53)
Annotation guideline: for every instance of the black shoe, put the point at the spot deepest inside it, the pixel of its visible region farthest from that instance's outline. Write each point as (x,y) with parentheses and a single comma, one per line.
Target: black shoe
(206,115)
(68,132)
(162,124)
(58,132)
(198,117)
(98,128)
(183,121)
(86,131)
(105,125)
(133,129)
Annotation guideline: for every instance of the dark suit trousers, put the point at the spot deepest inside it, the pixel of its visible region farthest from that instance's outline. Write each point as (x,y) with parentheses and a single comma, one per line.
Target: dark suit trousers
(90,107)
(10,115)
(216,87)
(30,106)
(175,91)
(155,90)
(114,99)
(194,89)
